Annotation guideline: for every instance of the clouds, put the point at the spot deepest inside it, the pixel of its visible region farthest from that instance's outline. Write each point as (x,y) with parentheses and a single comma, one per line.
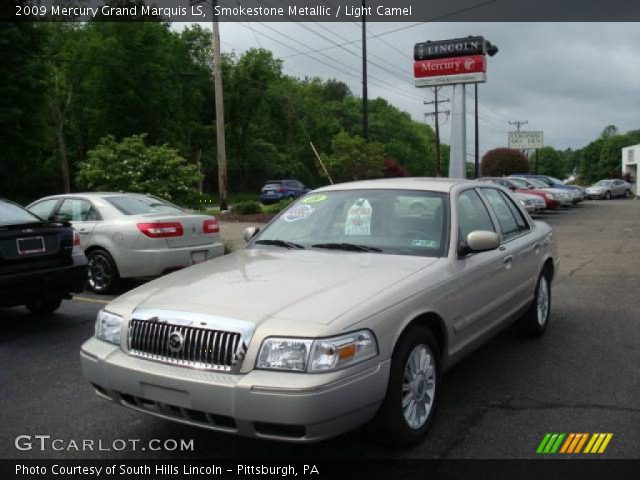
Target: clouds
(568,79)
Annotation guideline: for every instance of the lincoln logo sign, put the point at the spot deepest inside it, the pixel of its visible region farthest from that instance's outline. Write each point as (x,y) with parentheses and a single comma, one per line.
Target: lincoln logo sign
(449,48)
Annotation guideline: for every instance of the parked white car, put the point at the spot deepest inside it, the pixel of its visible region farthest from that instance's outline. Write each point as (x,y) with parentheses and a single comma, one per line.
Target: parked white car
(126,235)
(531,203)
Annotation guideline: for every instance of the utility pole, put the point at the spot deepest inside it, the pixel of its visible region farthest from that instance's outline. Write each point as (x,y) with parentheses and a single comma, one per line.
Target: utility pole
(219,103)
(476,164)
(365,101)
(518,123)
(435,115)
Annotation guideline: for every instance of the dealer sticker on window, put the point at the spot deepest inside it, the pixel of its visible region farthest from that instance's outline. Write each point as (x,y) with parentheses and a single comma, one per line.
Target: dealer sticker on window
(299,213)
(359,218)
(425,243)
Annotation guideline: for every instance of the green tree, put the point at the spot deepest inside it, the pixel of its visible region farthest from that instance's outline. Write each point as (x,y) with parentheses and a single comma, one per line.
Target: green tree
(550,162)
(130,165)
(354,159)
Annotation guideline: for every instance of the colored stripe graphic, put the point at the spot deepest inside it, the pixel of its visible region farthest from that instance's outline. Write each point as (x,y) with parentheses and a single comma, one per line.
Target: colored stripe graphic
(573,443)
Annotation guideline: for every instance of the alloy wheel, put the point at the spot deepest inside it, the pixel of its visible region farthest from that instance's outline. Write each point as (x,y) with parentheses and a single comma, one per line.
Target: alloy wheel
(543,301)
(418,386)
(100,274)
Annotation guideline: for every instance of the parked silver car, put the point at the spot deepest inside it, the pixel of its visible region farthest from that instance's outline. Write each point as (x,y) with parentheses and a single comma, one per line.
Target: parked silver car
(128,235)
(531,203)
(609,188)
(344,310)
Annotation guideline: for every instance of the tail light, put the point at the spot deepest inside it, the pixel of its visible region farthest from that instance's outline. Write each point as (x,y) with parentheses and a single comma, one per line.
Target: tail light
(280,189)
(77,244)
(161,229)
(210,226)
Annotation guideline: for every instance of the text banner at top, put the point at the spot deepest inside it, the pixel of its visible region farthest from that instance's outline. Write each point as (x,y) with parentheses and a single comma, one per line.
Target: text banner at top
(415,11)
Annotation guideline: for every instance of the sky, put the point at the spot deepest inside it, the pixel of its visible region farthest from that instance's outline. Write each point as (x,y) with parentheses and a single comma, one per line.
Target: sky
(569,80)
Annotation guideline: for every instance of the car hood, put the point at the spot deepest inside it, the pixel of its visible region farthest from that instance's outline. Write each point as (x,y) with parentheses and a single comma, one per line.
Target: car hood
(258,284)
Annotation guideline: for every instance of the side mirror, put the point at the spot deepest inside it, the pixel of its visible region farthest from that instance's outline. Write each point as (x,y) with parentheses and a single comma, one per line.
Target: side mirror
(480,241)
(512,188)
(249,233)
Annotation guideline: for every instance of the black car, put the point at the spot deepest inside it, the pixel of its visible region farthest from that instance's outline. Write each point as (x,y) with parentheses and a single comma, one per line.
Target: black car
(41,262)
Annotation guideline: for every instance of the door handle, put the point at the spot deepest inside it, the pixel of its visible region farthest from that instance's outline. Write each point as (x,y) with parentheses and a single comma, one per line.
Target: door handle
(507,260)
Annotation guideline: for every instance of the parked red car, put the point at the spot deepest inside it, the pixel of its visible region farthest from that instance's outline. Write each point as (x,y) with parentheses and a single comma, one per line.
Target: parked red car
(519,186)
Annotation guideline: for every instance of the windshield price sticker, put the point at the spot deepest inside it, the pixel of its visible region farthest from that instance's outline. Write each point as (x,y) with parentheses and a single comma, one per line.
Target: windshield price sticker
(359,218)
(425,243)
(299,213)
(315,199)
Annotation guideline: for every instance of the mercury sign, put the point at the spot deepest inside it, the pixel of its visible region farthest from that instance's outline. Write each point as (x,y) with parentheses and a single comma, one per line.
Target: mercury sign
(526,140)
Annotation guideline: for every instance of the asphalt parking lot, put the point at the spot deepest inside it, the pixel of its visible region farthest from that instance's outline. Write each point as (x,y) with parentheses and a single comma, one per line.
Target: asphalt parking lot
(582,376)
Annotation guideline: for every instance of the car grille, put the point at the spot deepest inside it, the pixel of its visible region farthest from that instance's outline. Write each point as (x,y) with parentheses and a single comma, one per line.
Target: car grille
(185,346)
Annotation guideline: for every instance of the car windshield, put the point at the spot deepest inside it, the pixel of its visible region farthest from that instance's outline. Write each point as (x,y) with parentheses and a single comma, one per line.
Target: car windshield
(402,222)
(141,204)
(12,214)
(604,183)
(520,183)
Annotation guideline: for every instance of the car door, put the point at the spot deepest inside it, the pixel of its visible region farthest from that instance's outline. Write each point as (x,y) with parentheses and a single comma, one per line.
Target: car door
(482,278)
(618,188)
(81,214)
(519,246)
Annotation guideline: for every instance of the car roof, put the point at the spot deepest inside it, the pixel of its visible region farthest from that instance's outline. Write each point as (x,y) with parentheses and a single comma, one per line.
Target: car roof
(96,194)
(401,183)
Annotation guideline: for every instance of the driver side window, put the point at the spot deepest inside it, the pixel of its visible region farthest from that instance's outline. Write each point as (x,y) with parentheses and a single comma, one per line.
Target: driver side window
(472,215)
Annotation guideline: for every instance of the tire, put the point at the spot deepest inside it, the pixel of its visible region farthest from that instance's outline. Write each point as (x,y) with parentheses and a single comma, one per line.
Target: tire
(394,425)
(45,305)
(103,273)
(627,193)
(607,195)
(534,321)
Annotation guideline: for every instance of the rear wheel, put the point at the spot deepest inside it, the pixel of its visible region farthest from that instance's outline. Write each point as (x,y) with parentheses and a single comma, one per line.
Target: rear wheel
(45,305)
(412,393)
(103,273)
(607,195)
(535,320)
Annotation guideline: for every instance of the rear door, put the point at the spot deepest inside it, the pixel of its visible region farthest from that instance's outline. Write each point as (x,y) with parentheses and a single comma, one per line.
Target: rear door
(45,208)
(518,246)
(81,213)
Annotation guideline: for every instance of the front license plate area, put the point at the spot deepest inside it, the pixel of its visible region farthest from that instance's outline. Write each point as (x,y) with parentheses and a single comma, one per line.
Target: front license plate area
(198,257)
(30,245)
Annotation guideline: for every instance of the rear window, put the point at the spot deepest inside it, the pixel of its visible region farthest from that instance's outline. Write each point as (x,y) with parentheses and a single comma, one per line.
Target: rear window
(272,185)
(12,214)
(139,205)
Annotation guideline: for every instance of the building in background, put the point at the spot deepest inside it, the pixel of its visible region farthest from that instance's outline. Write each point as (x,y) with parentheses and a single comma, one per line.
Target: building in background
(630,161)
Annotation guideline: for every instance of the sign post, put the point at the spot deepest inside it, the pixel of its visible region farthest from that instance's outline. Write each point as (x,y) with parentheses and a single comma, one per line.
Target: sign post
(456,62)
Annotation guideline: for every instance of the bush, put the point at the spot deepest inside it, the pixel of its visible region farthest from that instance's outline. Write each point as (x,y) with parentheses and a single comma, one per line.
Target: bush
(247,208)
(503,161)
(278,207)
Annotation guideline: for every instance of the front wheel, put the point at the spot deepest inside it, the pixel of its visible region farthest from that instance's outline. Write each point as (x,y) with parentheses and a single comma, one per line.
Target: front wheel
(627,193)
(535,320)
(409,407)
(607,195)
(45,305)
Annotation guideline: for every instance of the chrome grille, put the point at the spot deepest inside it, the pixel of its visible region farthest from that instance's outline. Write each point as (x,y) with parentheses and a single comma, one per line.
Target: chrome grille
(187,346)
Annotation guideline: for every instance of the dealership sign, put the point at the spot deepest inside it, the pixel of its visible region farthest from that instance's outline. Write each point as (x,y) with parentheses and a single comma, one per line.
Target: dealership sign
(450,62)
(449,66)
(450,48)
(526,140)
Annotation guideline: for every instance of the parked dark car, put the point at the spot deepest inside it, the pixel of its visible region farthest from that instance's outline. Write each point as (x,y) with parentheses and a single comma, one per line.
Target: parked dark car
(276,190)
(41,262)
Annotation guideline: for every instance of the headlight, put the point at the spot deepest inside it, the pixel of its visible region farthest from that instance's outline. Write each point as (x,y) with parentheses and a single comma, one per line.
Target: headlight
(522,202)
(108,327)
(321,355)
(549,196)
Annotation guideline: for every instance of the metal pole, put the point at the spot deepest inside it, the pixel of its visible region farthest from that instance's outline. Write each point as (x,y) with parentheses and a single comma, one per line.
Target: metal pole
(477,161)
(219,103)
(438,170)
(458,150)
(365,102)
(536,161)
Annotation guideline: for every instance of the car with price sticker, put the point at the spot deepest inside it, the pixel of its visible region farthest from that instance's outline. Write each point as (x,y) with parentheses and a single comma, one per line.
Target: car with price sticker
(130,235)
(345,310)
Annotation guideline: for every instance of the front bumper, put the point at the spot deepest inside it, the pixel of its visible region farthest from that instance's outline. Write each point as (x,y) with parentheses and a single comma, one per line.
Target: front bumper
(25,287)
(155,262)
(272,198)
(284,406)
(595,194)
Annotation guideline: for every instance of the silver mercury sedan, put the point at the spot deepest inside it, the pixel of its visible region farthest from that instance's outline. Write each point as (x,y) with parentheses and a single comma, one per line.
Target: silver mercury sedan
(127,235)
(345,310)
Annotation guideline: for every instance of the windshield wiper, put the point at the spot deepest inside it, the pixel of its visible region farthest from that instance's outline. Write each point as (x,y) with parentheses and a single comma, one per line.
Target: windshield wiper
(350,247)
(280,243)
